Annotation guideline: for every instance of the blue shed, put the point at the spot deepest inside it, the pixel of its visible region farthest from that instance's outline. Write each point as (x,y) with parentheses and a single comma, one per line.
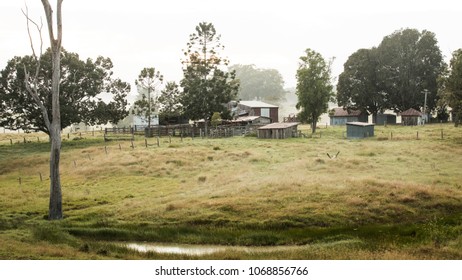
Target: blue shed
(359,130)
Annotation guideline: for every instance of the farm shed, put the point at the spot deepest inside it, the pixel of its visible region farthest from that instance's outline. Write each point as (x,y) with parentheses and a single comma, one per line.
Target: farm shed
(383,119)
(359,130)
(252,120)
(255,108)
(340,116)
(411,117)
(278,131)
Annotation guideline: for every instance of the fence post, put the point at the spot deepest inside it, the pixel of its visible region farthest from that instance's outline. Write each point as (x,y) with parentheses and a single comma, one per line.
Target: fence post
(41,179)
(146,142)
(120,147)
(11,141)
(133,146)
(24,140)
(417,135)
(105,149)
(158,143)
(442,135)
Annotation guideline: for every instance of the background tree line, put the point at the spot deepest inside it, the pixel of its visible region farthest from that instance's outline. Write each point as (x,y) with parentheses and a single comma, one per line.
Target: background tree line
(405,71)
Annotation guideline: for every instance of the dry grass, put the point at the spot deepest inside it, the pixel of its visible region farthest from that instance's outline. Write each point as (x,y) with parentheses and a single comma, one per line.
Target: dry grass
(247,183)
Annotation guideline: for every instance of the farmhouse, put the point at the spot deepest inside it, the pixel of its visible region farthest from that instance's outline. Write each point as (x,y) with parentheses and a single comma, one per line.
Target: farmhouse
(255,108)
(359,130)
(278,131)
(412,117)
(340,116)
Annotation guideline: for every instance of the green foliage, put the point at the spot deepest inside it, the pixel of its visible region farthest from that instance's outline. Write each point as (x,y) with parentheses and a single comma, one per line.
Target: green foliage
(357,87)
(147,83)
(451,86)
(81,84)
(216,119)
(314,88)
(409,64)
(206,87)
(169,103)
(259,84)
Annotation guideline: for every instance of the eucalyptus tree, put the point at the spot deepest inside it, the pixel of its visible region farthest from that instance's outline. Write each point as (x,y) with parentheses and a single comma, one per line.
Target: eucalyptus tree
(314,88)
(207,86)
(53,124)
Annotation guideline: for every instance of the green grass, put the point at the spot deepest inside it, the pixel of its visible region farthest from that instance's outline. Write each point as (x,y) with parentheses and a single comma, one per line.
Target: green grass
(381,198)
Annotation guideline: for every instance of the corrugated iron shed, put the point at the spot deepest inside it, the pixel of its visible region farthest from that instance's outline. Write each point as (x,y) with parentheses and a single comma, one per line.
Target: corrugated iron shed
(278,130)
(359,130)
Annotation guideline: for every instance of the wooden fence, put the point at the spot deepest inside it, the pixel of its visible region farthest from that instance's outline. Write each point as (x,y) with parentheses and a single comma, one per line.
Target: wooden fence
(118,134)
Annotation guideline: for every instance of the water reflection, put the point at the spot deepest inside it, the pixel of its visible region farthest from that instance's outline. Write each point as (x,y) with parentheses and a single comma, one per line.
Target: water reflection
(190,250)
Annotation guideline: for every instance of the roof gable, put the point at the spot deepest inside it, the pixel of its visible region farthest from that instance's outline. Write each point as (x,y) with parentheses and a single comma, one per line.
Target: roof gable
(340,112)
(257,104)
(411,113)
(279,125)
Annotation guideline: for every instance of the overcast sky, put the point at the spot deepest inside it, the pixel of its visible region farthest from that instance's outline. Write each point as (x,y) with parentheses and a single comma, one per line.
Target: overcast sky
(270,34)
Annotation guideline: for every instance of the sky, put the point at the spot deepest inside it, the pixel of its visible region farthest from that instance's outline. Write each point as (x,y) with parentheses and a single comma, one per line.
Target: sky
(269,34)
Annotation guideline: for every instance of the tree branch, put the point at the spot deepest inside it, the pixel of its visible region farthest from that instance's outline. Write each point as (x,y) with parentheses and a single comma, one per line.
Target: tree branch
(34,94)
(28,81)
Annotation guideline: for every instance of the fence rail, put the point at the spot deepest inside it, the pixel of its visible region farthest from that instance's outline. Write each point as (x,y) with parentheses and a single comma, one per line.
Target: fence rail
(118,134)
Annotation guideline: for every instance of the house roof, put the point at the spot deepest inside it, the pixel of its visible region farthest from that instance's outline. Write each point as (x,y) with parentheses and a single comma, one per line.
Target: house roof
(249,118)
(279,125)
(360,124)
(340,112)
(411,113)
(257,104)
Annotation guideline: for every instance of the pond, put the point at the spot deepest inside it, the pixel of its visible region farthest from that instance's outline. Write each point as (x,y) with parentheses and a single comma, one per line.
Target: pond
(200,250)
(191,250)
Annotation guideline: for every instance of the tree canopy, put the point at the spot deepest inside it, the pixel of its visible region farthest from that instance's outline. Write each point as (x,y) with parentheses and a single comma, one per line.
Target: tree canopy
(396,75)
(169,103)
(314,88)
(259,84)
(357,87)
(207,87)
(451,86)
(409,64)
(81,84)
(147,84)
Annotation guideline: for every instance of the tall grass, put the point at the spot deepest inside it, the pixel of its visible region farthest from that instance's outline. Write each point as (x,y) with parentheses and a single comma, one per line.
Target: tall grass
(401,196)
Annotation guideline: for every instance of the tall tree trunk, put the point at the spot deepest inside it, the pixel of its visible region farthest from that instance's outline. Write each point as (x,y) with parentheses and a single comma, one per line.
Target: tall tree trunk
(313,125)
(55,206)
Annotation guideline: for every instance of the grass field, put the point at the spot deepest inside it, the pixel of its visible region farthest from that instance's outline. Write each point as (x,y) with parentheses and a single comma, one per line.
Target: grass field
(397,195)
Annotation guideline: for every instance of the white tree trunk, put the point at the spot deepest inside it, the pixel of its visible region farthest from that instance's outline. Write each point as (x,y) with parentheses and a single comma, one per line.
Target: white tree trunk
(55,207)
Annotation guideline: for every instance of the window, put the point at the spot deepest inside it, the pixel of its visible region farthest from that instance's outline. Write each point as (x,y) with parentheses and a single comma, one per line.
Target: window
(265,112)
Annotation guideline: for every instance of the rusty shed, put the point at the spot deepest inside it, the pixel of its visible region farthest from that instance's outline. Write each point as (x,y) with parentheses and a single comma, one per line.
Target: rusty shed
(278,131)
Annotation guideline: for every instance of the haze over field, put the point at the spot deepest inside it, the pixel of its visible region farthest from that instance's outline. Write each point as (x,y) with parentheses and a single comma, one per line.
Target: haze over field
(269,34)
